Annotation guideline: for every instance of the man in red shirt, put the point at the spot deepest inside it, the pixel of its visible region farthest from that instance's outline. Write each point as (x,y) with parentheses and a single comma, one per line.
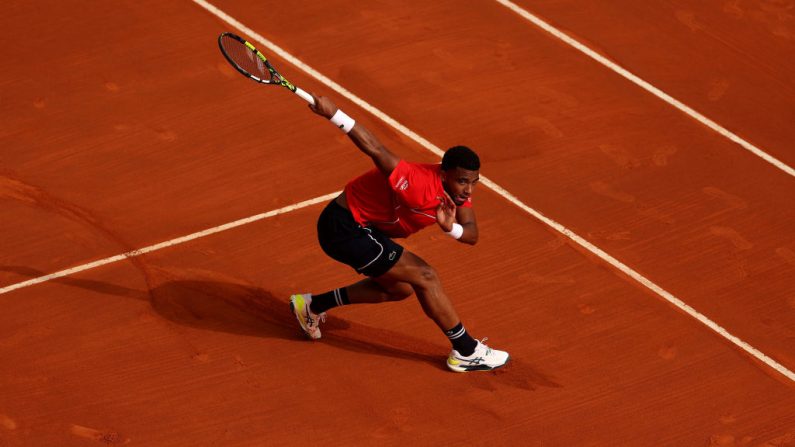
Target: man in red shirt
(394,200)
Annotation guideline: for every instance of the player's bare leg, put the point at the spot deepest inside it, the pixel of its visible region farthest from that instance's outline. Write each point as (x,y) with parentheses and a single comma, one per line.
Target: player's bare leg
(311,311)
(468,354)
(423,278)
(409,273)
(378,290)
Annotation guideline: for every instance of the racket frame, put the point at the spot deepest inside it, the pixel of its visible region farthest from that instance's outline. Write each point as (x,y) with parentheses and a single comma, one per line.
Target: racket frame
(275,79)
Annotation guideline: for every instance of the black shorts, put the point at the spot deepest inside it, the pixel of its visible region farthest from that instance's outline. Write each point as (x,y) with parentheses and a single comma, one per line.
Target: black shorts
(366,249)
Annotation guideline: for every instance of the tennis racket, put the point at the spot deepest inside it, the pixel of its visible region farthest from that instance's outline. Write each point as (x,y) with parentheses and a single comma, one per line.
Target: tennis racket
(254,65)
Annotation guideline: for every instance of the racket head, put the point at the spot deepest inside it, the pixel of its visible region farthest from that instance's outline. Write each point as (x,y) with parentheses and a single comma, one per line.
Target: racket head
(247,59)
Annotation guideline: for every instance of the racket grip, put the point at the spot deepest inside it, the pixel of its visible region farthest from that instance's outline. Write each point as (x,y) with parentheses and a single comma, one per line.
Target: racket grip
(305,96)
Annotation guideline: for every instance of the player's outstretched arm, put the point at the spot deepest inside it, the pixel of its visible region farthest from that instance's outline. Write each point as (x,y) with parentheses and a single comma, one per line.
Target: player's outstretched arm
(383,158)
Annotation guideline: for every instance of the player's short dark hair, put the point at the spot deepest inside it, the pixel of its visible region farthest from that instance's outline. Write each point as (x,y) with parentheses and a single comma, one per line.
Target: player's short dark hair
(460,157)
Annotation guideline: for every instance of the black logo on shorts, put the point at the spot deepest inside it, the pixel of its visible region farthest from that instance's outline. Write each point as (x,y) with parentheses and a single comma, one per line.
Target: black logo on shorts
(392,255)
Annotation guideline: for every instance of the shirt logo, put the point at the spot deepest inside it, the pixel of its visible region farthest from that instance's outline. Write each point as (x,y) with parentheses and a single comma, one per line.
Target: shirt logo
(402,184)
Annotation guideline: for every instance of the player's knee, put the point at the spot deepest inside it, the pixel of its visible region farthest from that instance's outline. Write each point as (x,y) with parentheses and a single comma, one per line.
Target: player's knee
(420,275)
(427,275)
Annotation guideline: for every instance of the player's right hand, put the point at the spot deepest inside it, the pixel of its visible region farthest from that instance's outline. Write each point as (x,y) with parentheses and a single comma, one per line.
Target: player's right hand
(323,106)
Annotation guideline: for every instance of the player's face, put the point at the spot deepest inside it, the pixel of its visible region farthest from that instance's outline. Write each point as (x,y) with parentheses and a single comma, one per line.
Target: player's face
(459,183)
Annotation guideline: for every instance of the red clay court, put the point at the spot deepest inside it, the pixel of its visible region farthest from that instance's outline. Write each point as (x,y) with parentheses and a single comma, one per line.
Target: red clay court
(637,225)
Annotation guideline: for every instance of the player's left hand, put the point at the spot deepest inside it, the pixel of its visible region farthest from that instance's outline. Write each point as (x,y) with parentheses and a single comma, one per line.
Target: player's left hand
(445,213)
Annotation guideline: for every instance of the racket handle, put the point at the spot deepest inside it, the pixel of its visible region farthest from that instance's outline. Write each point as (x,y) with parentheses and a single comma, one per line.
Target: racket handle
(305,96)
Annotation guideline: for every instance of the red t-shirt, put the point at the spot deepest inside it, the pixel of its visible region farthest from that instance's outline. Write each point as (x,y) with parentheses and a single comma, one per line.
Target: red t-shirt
(400,205)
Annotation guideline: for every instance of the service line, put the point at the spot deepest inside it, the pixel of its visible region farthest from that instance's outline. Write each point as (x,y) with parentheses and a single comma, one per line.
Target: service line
(507,195)
(535,20)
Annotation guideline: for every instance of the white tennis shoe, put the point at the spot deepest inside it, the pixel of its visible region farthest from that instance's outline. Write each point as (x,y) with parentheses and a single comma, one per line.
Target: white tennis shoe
(309,321)
(483,359)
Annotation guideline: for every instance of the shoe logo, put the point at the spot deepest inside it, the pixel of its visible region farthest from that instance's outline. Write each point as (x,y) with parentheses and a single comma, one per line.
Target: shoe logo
(475,361)
(392,255)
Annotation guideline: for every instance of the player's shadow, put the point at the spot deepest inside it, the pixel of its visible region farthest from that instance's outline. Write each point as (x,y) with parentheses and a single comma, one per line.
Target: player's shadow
(246,310)
(252,311)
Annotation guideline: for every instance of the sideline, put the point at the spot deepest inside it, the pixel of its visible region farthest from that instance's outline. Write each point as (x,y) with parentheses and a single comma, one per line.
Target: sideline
(535,20)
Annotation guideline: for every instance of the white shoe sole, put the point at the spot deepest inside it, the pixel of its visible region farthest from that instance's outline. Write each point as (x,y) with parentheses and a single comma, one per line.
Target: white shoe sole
(460,367)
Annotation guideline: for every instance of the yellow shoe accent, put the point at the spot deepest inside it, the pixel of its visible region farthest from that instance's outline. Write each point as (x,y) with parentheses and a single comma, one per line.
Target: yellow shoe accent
(299,301)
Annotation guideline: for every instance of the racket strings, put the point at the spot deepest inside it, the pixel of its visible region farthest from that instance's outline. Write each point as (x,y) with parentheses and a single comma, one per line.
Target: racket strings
(245,58)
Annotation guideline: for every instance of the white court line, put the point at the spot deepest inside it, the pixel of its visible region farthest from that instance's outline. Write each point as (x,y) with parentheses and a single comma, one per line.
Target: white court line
(179,240)
(646,86)
(501,191)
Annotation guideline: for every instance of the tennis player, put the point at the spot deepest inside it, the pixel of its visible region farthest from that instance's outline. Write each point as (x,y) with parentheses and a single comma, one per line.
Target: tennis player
(394,200)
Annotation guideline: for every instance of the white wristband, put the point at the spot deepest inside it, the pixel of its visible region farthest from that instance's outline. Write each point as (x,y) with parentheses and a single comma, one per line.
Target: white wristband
(343,121)
(456,232)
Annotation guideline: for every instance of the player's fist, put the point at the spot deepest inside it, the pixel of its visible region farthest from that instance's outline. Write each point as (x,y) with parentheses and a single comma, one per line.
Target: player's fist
(323,106)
